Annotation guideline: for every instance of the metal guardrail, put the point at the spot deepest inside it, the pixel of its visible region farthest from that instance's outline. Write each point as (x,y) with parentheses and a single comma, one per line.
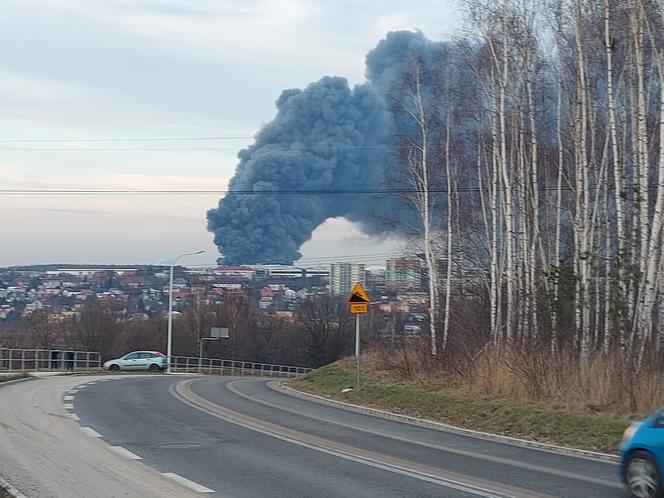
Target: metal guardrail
(194,364)
(48,359)
(17,360)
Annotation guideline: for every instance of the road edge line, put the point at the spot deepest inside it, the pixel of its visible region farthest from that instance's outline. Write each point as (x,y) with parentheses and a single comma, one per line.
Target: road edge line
(431,424)
(187,483)
(268,429)
(505,460)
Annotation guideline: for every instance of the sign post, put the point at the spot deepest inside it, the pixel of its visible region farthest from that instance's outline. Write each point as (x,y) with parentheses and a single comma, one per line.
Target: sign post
(216,333)
(357,347)
(359,304)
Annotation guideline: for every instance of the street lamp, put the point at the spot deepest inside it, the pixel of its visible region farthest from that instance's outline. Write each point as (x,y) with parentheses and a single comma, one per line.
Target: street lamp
(170,309)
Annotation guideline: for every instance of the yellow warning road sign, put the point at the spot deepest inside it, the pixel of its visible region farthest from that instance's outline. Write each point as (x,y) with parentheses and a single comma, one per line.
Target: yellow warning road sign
(358,295)
(358,299)
(359,308)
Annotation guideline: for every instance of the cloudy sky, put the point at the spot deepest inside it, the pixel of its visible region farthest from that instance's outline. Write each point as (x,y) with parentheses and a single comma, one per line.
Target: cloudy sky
(84,83)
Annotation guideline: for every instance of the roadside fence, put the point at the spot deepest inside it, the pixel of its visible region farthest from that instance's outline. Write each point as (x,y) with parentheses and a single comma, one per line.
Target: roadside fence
(194,364)
(17,360)
(48,359)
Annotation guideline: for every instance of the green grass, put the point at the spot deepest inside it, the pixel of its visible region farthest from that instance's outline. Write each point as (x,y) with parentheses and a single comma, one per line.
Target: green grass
(533,421)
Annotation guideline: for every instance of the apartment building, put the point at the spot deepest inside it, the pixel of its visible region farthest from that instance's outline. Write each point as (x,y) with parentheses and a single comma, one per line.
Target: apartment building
(344,275)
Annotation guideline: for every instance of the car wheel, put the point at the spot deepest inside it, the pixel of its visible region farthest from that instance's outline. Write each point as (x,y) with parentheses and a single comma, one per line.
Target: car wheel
(114,368)
(154,368)
(642,476)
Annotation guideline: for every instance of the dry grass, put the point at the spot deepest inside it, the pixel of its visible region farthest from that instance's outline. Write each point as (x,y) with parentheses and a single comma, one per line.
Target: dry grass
(527,394)
(427,398)
(602,385)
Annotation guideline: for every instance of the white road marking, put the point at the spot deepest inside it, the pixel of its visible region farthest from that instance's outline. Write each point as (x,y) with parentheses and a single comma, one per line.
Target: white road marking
(75,417)
(126,453)
(546,447)
(68,406)
(91,432)
(68,398)
(448,483)
(187,483)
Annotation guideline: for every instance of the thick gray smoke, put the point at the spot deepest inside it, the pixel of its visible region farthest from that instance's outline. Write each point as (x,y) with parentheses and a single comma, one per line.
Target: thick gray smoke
(327,137)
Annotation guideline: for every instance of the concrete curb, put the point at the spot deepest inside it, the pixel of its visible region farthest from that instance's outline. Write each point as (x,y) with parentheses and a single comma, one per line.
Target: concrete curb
(14,381)
(8,488)
(430,424)
(35,375)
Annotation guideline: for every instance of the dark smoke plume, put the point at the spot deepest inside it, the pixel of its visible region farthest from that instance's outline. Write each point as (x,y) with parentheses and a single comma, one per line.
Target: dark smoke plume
(325,137)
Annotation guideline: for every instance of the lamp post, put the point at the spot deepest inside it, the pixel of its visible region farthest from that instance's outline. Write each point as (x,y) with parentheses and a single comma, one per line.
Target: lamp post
(170,309)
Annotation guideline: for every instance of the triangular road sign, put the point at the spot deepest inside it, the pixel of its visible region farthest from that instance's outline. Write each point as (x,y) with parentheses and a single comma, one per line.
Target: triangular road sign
(358,295)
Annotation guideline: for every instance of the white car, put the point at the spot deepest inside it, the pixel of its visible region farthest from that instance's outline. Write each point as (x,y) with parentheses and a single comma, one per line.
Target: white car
(153,361)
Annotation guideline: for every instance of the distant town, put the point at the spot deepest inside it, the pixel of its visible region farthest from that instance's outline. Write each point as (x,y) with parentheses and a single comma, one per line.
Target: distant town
(141,292)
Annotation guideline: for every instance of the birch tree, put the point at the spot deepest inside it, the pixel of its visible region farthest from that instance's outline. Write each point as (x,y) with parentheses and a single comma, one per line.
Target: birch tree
(419,171)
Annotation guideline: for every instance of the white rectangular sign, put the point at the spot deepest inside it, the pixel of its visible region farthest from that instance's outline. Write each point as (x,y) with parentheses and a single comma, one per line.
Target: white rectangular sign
(219,332)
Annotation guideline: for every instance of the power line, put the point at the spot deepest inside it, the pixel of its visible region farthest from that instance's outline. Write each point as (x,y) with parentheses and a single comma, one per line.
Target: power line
(343,258)
(360,191)
(153,139)
(339,257)
(297,146)
(358,258)
(206,149)
(323,260)
(142,139)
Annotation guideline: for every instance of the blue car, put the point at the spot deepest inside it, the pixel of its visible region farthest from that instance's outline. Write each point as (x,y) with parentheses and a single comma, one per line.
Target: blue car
(642,456)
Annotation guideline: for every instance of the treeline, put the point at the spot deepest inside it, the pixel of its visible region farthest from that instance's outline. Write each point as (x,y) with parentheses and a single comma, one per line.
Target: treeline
(535,147)
(321,332)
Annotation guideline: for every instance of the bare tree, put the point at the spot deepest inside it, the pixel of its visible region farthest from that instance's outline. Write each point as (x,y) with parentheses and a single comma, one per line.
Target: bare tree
(96,329)
(420,173)
(327,327)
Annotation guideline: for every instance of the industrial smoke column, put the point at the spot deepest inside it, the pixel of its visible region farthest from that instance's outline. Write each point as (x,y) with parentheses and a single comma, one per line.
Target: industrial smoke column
(359,304)
(170,309)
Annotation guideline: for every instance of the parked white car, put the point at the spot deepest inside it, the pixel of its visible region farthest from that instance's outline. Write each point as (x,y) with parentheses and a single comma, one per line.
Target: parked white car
(153,361)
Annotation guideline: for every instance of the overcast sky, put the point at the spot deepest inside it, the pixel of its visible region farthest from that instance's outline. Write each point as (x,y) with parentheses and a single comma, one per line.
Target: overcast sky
(123,69)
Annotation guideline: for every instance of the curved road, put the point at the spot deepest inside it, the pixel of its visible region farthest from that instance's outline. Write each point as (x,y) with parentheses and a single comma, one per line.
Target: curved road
(243,437)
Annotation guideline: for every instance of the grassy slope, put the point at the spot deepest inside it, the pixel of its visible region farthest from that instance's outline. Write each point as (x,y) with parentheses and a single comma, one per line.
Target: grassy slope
(533,421)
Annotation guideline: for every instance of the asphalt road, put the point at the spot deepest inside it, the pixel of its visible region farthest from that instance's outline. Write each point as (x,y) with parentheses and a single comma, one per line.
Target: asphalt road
(45,454)
(245,438)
